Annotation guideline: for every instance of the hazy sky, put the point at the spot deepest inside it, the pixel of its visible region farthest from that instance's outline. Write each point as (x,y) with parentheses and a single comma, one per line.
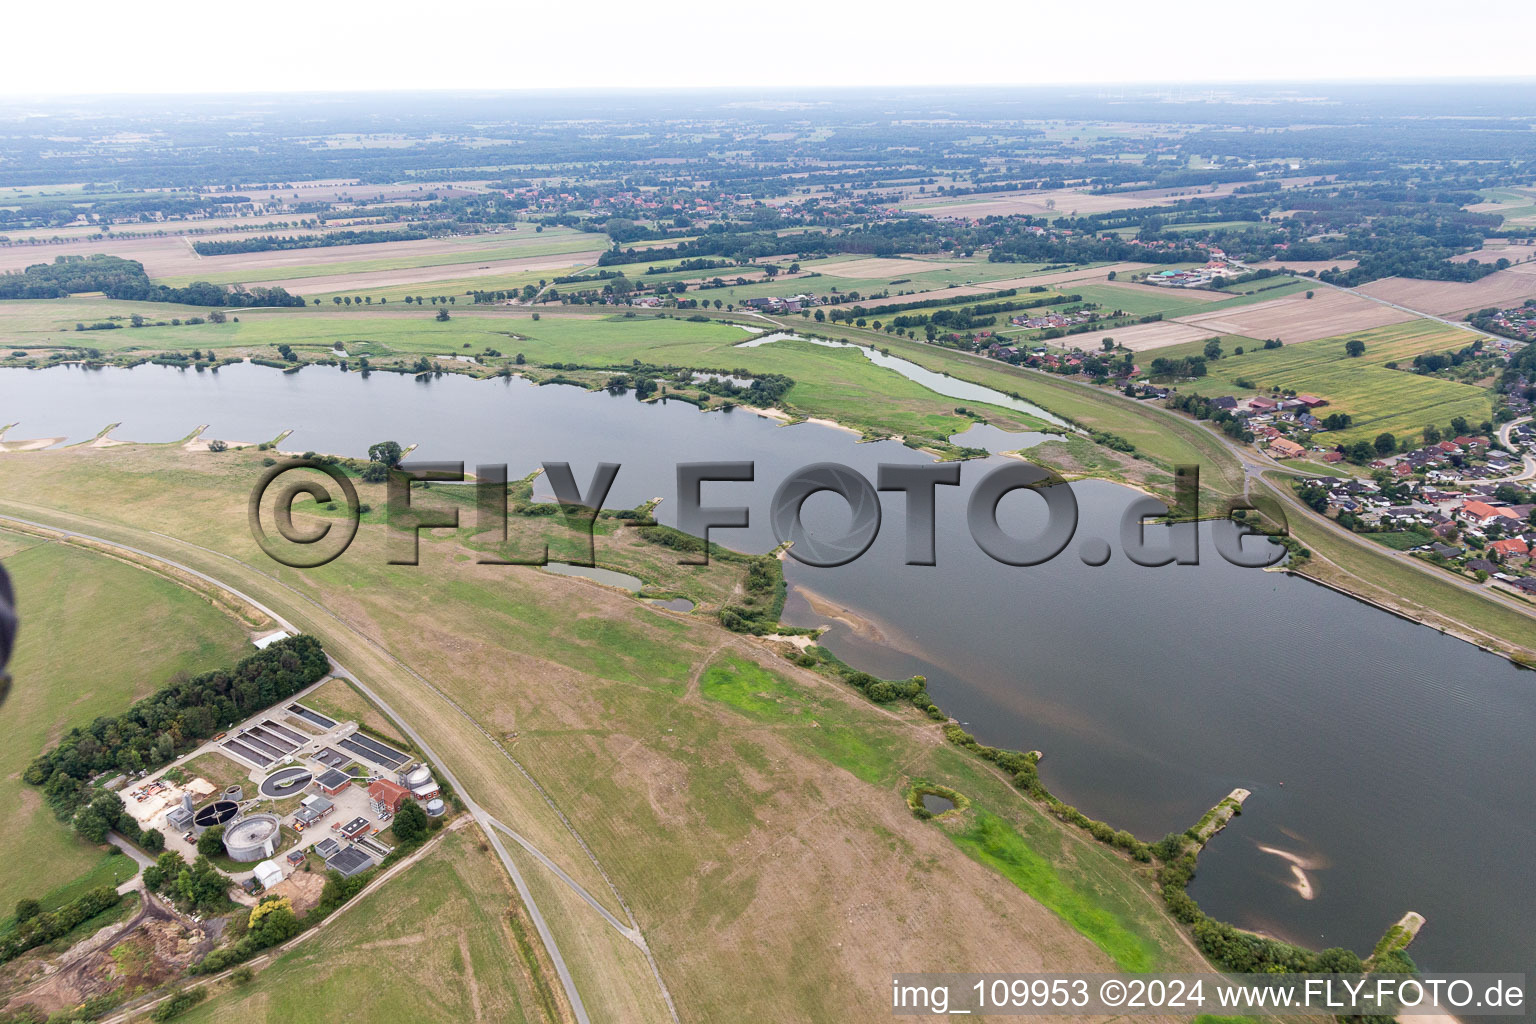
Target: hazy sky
(93,46)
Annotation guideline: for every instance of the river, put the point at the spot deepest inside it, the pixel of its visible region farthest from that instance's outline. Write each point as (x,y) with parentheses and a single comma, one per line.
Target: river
(1386,760)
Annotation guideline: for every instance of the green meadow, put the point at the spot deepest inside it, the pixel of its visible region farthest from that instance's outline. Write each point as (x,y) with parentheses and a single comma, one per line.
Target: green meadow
(1380,399)
(72,601)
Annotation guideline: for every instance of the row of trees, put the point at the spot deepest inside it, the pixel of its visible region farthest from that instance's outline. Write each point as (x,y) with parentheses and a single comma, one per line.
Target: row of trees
(118,278)
(173,719)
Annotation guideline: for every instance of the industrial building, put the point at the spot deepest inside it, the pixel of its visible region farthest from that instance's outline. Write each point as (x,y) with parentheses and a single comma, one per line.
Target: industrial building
(333,781)
(420,782)
(180,817)
(387,797)
(356,827)
(268,874)
(327,848)
(312,808)
(349,862)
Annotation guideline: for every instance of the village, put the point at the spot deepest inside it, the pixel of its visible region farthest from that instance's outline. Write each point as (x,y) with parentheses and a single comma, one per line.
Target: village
(1455,503)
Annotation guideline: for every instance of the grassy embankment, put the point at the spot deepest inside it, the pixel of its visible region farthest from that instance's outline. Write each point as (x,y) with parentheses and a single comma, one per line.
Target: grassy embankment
(1490,618)
(770,864)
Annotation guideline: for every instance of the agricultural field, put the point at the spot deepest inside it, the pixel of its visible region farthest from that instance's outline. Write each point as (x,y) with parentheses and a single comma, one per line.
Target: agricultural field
(1516,205)
(1295,318)
(353,266)
(448,939)
(79,600)
(1452,298)
(1379,399)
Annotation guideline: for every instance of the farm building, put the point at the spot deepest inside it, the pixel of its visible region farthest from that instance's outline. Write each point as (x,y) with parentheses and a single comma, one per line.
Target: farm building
(1282,448)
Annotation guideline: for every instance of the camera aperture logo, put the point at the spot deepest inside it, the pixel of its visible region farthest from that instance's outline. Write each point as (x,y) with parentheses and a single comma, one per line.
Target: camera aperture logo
(326,539)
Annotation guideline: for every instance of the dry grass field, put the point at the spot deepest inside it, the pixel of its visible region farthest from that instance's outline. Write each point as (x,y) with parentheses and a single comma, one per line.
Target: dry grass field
(1298,318)
(1302,266)
(1066,201)
(170,259)
(161,256)
(1142,337)
(1175,294)
(1494,249)
(874,267)
(440,940)
(1448,298)
(471,270)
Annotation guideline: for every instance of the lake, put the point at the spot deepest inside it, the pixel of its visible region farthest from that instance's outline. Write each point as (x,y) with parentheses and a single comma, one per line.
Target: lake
(1388,762)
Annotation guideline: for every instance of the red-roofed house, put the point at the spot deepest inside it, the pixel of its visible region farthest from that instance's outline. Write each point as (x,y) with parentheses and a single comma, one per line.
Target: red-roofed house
(388,797)
(1282,448)
(1481,512)
(1512,546)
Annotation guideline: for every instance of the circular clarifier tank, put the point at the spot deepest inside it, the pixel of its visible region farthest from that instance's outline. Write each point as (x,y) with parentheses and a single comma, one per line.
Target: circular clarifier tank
(252,838)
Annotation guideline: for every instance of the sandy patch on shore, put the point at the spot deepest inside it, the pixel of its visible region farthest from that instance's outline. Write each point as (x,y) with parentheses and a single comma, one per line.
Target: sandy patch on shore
(32,445)
(1300,881)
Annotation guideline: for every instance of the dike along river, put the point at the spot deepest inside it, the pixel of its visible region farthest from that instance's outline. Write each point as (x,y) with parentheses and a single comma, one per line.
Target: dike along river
(1390,765)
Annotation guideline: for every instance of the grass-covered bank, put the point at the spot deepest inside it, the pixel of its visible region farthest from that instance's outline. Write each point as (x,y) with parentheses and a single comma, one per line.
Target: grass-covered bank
(681,798)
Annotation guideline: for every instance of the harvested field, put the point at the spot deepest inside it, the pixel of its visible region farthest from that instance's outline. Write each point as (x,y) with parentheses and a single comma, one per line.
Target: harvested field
(1302,266)
(1297,318)
(1495,249)
(161,256)
(1142,337)
(1052,280)
(426,275)
(875,267)
(1066,201)
(1504,288)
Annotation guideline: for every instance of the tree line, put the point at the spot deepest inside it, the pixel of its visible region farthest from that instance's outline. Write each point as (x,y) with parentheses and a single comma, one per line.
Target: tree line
(173,719)
(118,278)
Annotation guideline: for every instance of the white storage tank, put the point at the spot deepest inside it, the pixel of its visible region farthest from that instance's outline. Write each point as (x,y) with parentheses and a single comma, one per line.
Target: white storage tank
(253,837)
(418,776)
